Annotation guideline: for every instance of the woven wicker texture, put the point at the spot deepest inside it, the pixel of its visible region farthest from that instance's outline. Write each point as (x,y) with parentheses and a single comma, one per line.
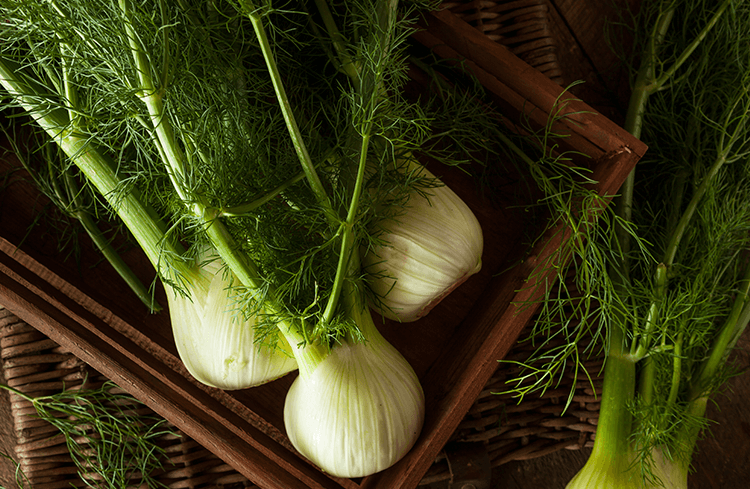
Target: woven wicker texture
(37,366)
(541,423)
(538,425)
(521,25)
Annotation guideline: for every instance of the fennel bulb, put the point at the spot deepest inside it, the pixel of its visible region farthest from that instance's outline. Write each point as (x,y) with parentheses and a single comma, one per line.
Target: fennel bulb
(360,410)
(599,473)
(423,253)
(619,471)
(218,346)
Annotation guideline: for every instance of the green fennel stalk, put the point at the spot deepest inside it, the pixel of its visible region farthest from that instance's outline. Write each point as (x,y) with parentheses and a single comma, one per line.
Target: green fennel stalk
(681,314)
(177,168)
(96,165)
(59,184)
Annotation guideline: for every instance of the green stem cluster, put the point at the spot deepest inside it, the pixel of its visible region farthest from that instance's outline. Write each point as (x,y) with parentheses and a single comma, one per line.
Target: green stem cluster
(286,109)
(148,231)
(636,340)
(344,230)
(309,355)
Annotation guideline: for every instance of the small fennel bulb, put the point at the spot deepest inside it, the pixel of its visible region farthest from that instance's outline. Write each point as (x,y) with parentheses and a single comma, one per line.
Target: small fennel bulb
(424,252)
(616,471)
(361,409)
(621,471)
(216,344)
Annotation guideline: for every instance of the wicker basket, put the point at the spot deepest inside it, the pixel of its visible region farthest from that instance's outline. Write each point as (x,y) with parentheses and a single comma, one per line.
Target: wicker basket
(522,26)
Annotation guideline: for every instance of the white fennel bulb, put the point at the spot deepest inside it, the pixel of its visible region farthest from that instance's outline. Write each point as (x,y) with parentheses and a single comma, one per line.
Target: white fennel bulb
(424,252)
(359,411)
(622,470)
(215,342)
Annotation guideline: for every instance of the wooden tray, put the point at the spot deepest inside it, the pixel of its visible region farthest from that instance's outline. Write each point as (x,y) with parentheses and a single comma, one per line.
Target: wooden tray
(80,304)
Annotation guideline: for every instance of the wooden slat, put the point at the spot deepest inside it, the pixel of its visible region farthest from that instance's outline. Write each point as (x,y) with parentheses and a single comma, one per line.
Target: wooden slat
(519,89)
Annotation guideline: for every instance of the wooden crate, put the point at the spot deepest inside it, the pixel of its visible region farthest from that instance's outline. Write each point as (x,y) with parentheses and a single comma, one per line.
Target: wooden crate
(82,305)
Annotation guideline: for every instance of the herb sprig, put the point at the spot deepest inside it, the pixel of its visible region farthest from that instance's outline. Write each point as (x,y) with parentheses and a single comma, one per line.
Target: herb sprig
(112,442)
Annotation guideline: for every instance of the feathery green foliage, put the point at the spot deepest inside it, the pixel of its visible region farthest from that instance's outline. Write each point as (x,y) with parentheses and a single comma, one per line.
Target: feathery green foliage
(178,99)
(111,441)
(663,279)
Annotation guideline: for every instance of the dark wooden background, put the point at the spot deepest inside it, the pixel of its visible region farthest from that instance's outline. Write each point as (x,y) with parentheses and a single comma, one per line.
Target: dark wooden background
(723,458)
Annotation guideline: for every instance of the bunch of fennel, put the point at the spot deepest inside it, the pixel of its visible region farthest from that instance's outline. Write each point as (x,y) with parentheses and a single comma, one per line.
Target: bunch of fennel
(664,279)
(249,151)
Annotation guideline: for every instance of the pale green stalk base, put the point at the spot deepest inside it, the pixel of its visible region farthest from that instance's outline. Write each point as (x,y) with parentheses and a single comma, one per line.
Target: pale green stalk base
(622,472)
(669,473)
(611,472)
(612,458)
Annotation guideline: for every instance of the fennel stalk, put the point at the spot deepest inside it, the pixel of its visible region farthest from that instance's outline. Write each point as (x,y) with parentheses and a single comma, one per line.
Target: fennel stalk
(681,313)
(659,285)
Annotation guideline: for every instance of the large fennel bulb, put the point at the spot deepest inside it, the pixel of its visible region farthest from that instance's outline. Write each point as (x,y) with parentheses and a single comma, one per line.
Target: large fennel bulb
(215,342)
(359,411)
(424,252)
